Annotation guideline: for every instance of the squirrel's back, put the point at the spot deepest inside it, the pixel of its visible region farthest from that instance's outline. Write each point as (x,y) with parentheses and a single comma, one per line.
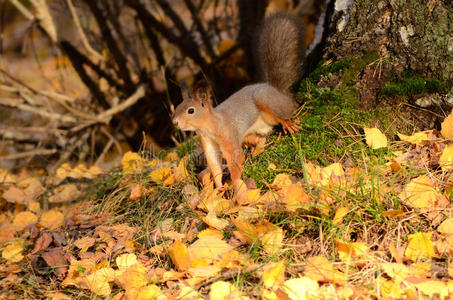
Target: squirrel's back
(280,48)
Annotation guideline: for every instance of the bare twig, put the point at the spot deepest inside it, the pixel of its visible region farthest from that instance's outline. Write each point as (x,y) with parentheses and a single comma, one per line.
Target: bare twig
(28,154)
(14,102)
(85,42)
(20,7)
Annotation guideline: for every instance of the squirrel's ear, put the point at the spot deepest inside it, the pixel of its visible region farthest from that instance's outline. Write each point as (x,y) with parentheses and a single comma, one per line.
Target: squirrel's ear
(204,98)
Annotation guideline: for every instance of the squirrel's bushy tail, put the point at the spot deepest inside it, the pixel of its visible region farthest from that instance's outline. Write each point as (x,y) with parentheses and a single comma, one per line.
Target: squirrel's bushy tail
(280,50)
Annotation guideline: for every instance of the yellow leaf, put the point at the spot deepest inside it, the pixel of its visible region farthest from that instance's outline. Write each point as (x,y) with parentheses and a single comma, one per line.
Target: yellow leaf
(208,248)
(212,220)
(52,219)
(446,226)
(181,172)
(420,246)
(171,156)
(24,219)
(398,272)
(221,290)
(188,293)
(431,288)
(149,292)
(34,207)
(84,243)
(301,288)
(247,231)
(13,252)
(333,173)
(339,215)
(421,269)
(447,127)
(204,271)
(271,236)
(418,138)
(124,261)
(321,269)
(282,180)
(375,138)
(160,174)
(98,282)
(349,251)
(132,279)
(179,255)
(274,274)
(131,163)
(446,159)
(210,231)
(294,197)
(420,193)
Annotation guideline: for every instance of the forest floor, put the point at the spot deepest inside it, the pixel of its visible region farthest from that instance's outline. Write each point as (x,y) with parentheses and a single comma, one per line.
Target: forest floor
(355,204)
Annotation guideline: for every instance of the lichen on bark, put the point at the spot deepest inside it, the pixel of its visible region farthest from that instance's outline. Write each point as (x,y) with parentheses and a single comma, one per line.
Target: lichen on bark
(409,34)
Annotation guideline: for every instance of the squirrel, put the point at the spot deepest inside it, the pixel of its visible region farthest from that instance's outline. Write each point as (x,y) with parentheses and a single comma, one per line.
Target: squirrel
(251,112)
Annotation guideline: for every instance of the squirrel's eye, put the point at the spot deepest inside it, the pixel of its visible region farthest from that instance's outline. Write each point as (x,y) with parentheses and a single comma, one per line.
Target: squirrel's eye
(190,110)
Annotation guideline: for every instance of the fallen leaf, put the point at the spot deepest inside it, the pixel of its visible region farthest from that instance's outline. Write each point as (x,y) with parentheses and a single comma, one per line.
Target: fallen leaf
(52,219)
(55,258)
(212,220)
(131,163)
(221,290)
(339,215)
(149,292)
(179,255)
(433,288)
(301,288)
(124,261)
(24,219)
(84,243)
(208,248)
(418,138)
(375,138)
(447,127)
(7,231)
(420,246)
(294,197)
(65,193)
(13,252)
(420,193)
(446,226)
(446,159)
(321,269)
(15,195)
(160,174)
(271,236)
(204,271)
(98,282)
(274,274)
(42,242)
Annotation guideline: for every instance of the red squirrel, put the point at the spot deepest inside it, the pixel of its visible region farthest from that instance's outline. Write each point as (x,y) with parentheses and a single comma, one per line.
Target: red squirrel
(252,111)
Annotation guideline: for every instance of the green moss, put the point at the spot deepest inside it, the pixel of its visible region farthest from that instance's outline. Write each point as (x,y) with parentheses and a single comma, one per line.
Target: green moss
(329,124)
(410,85)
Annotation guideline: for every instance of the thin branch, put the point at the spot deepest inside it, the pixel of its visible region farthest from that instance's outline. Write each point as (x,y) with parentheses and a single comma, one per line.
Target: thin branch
(28,154)
(200,27)
(106,32)
(20,7)
(14,102)
(85,42)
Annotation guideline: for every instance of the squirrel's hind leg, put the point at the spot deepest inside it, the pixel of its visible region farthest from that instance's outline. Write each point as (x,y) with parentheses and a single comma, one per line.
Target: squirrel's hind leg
(271,118)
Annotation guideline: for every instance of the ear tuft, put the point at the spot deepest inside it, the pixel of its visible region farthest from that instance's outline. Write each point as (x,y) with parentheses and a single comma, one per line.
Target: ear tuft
(204,98)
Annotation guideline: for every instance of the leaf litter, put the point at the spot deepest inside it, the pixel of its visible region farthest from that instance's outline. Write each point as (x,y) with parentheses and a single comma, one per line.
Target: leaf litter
(381,230)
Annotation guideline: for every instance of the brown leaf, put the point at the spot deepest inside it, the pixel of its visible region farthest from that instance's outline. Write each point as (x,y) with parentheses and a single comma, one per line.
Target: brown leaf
(55,258)
(42,242)
(14,195)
